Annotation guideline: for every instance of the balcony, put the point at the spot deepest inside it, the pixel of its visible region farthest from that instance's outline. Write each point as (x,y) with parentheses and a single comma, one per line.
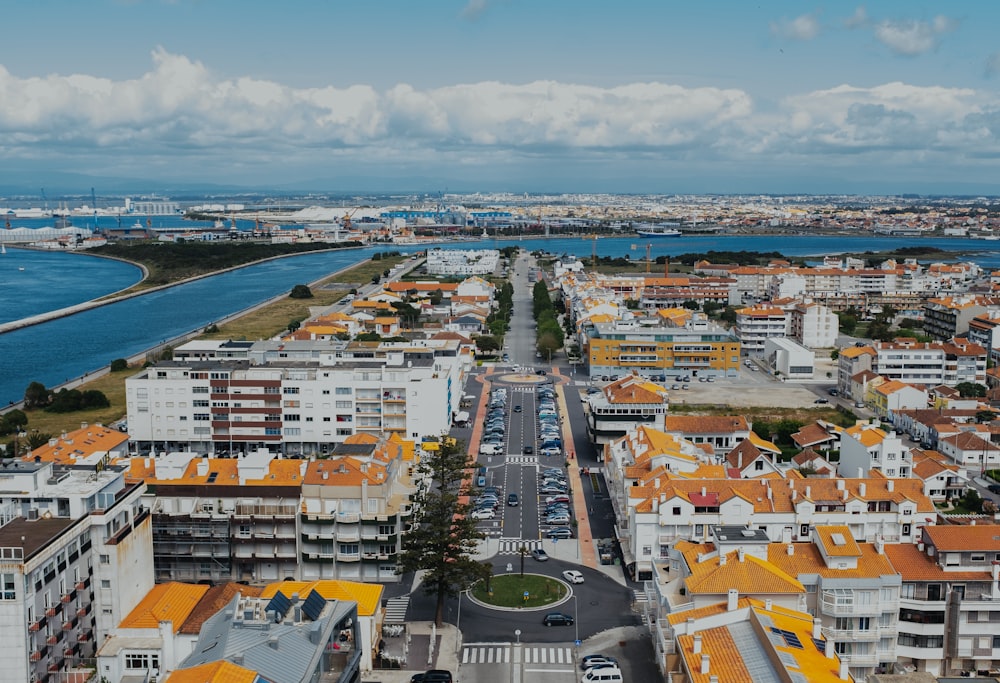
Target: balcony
(852,635)
(348,517)
(348,557)
(860,658)
(349,535)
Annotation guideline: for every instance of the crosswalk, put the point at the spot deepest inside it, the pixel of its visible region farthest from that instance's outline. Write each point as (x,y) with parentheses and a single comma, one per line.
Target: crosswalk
(524,389)
(522,459)
(500,653)
(395,610)
(512,546)
(639,600)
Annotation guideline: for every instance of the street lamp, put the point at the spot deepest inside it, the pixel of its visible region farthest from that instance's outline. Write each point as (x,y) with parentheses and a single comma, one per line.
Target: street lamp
(576,619)
(458,624)
(517,635)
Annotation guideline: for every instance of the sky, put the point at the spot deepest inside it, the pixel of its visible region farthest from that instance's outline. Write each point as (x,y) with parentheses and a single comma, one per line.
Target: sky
(507,95)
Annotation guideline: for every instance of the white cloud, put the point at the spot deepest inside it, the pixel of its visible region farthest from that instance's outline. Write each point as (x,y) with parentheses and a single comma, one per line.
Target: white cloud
(910,37)
(475,9)
(805,27)
(858,19)
(181,116)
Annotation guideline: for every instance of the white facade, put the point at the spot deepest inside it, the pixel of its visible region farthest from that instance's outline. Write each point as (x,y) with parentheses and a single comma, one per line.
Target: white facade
(462,261)
(873,449)
(296,407)
(814,326)
(51,562)
(789,359)
(756,325)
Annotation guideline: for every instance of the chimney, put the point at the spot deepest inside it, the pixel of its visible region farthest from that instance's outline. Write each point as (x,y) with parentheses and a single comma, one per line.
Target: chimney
(809,492)
(790,549)
(862,489)
(704,491)
(732,600)
(880,545)
(697,644)
(272,642)
(830,647)
(846,494)
(704,664)
(768,605)
(840,485)
(817,630)
(844,672)
(713,679)
(861,472)
(890,485)
(794,495)
(740,553)
(995,571)
(722,559)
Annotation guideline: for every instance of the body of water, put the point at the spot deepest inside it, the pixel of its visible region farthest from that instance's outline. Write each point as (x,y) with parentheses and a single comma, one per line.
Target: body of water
(69,347)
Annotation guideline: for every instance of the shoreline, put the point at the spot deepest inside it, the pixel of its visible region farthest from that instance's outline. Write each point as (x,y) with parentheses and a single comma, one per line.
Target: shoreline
(115,297)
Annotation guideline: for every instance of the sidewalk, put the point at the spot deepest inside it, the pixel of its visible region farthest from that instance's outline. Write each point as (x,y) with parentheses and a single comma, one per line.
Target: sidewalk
(447,644)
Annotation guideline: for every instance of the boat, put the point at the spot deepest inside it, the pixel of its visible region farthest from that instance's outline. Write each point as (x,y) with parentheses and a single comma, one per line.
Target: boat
(657,231)
(3,248)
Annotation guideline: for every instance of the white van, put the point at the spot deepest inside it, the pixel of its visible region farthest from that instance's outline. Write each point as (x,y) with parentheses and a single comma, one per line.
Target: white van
(610,674)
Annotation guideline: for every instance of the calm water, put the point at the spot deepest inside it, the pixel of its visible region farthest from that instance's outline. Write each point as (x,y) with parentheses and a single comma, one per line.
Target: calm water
(69,347)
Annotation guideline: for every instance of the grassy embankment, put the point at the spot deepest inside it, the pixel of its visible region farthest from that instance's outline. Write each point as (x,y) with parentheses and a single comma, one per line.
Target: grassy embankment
(263,323)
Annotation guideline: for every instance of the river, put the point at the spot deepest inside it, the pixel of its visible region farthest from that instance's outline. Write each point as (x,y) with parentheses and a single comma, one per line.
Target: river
(68,347)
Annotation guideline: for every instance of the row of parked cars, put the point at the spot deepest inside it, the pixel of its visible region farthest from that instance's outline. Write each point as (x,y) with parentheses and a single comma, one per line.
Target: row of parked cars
(495,430)
(549,431)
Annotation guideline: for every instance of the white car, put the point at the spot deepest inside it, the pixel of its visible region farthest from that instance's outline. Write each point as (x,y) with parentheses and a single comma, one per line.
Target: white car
(573,576)
(488,449)
(485,513)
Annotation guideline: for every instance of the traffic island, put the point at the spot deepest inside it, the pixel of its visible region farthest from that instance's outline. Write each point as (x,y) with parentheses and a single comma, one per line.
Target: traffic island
(514,591)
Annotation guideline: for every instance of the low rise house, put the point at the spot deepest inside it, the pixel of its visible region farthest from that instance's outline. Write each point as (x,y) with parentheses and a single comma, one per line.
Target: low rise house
(624,405)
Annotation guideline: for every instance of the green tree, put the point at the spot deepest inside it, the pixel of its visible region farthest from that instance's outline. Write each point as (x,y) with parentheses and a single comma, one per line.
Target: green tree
(970,390)
(972,501)
(728,315)
(848,323)
(691,305)
(119,364)
(37,439)
(36,396)
(294,325)
(368,337)
(984,416)
(12,421)
(443,537)
(835,354)
(301,292)
(487,343)
(711,307)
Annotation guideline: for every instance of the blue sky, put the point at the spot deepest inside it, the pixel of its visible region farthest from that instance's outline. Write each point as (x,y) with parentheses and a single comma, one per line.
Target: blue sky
(546,95)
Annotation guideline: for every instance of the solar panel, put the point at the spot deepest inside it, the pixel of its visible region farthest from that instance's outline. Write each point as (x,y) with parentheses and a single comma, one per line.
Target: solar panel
(790,638)
(820,645)
(788,659)
(279,603)
(313,606)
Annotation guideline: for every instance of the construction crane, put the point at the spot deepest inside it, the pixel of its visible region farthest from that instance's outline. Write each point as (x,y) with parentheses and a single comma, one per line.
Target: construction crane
(346,221)
(45,200)
(93,200)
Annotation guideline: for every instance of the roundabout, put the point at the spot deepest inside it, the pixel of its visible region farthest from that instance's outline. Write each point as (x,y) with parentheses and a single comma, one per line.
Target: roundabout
(514,592)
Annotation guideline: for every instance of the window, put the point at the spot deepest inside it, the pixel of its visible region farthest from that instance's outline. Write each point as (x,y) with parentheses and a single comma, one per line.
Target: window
(342,404)
(292,417)
(343,391)
(105,583)
(978,557)
(290,390)
(906,530)
(142,660)
(105,559)
(8,589)
(200,417)
(386,530)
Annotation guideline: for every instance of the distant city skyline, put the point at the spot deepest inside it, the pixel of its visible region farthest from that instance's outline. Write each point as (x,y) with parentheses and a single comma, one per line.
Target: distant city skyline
(492,95)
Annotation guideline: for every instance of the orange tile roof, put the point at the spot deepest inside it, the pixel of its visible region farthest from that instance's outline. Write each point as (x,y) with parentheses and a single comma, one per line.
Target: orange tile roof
(344,471)
(367,595)
(806,559)
(214,599)
(837,541)
(79,444)
(752,575)
(914,565)
(172,601)
(855,351)
(706,424)
(632,389)
(984,537)
(281,472)
(221,671)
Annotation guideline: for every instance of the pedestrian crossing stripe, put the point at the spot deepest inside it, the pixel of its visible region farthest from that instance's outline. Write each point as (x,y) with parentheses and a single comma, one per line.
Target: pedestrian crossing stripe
(395,610)
(473,653)
(522,459)
(512,546)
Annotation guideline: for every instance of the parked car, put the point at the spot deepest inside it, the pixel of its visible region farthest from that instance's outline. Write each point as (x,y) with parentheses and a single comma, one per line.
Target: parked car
(559,532)
(557,619)
(488,449)
(573,576)
(821,401)
(433,676)
(591,661)
(539,554)
(994,488)
(483,513)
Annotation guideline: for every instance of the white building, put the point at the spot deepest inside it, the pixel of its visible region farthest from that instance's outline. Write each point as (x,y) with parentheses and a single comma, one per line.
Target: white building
(788,359)
(866,447)
(462,261)
(75,551)
(296,397)
(813,325)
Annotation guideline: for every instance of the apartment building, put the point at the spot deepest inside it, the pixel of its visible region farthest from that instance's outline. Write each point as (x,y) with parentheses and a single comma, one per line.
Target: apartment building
(697,349)
(75,545)
(462,261)
(813,325)
(262,518)
(984,330)
(624,405)
(947,317)
(866,447)
(948,605)
(930,363)
(851,361)
(756,324)
(296,397)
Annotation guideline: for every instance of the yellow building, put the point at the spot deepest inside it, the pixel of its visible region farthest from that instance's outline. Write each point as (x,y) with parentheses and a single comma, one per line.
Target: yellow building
(612,348)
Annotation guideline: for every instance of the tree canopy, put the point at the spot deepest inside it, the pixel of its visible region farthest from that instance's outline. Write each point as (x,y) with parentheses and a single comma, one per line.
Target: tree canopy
(443,537)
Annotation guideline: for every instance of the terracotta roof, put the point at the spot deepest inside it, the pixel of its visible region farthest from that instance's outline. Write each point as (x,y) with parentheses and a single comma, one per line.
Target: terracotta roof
(806,559)
(79,444)
(367,595)
(855,351)
(281,472)
(170,601)
(633,389)
(344,471)
(837,541)
(221,671)
(811,434)
(751,575)
(984,537)
(914,565)
(214,599)
(706,424)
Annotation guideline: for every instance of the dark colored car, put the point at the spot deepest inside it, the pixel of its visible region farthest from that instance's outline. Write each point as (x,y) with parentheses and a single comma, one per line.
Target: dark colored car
(433,676)
(557,619)
(994,488)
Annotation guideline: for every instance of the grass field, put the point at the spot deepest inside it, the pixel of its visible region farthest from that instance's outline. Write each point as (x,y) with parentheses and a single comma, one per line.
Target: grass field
(509,589)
